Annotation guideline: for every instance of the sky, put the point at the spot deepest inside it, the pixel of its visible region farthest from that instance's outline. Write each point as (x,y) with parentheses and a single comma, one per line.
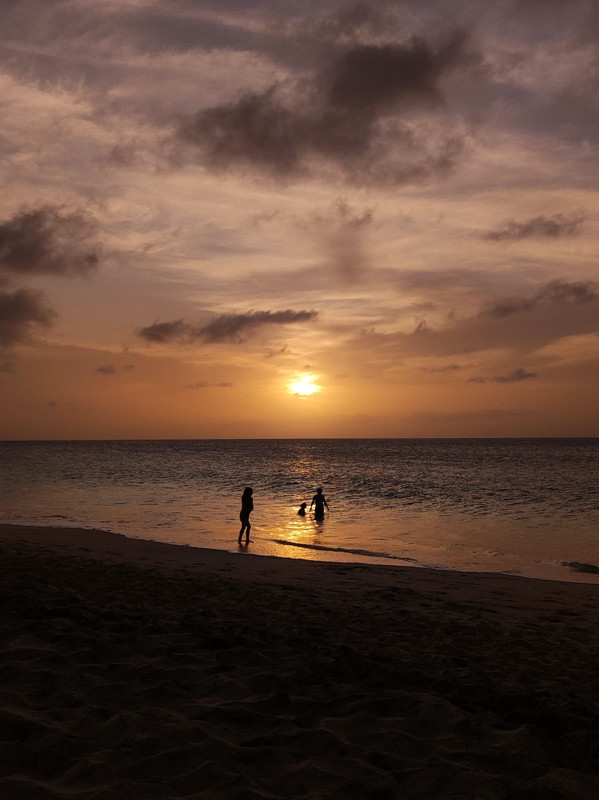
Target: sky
(260,218)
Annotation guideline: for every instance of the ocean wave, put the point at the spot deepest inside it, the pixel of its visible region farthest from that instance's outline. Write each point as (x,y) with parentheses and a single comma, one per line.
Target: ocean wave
(351,551)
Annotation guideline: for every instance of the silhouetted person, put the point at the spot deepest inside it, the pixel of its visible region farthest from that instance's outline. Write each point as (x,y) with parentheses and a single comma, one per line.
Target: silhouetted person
(302,510)
(247,506)
(319,502)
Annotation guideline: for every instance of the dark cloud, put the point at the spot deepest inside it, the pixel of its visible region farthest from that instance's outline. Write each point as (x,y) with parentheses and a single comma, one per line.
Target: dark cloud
(346,116)
(21,312)
(233,327)
(515,376)
(378,78)
(50,240)
(226,328)
(166,331)
(555,227)
(556,292)
(439,370)
(110,369)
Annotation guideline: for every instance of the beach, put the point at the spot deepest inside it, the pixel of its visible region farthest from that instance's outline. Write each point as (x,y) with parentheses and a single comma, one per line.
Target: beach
(139,669)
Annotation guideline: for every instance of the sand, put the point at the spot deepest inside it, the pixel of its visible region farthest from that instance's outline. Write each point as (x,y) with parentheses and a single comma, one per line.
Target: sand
(134,669)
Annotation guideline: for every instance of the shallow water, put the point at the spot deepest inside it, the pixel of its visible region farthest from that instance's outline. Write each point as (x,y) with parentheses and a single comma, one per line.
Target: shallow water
(525,506)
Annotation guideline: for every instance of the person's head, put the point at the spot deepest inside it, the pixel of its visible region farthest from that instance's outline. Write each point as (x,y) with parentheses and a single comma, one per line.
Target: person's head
(303,505)
(319,490)
(248,491)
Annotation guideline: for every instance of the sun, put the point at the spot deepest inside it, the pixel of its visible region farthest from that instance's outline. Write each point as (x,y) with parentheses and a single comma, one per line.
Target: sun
(304,387)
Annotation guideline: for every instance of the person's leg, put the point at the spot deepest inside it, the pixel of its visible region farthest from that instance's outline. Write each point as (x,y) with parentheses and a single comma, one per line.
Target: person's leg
(247,532)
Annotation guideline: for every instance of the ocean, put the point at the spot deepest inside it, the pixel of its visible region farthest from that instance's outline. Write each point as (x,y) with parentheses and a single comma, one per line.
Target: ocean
(519,506)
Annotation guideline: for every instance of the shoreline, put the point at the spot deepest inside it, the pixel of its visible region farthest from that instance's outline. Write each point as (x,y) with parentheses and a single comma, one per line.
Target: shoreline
(140,669)
(76,538)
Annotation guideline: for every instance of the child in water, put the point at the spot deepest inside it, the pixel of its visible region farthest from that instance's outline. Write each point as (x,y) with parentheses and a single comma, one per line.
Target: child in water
(302,510)
(247,506)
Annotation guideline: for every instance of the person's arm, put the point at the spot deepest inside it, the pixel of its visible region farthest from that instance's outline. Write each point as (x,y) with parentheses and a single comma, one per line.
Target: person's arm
(312,503)
(326,504)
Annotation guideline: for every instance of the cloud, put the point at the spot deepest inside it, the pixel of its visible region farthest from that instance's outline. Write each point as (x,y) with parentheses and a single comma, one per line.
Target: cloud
(439,370)
(555,227)
(342,231)
(522,324)
(353,116)
(49,240)
(110,369)
(166,331)
(557,292)
(21,312)
(515,376)
(225,328)
(343,24)
(275,353)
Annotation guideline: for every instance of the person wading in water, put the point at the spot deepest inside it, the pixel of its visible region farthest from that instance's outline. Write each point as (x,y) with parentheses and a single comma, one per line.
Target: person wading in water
(319,502)
(247,506)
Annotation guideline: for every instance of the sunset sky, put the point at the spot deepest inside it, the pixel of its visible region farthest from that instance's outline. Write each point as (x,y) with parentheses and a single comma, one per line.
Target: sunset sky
(260,218)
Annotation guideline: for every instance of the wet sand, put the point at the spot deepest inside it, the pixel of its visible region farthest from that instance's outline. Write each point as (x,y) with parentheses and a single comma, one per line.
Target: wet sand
(135,669)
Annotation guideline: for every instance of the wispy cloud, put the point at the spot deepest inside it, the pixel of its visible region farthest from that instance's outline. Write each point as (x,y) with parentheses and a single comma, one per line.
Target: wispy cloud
(443,369)
(515,376)
(342,232)
(557,292)
(226,328)
(555,227)
(521,324)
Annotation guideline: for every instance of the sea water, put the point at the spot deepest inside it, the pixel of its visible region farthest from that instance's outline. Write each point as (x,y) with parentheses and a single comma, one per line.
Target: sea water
(519,506)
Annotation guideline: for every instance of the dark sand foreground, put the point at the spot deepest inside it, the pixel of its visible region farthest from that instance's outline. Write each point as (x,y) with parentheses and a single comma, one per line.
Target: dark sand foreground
(134,669)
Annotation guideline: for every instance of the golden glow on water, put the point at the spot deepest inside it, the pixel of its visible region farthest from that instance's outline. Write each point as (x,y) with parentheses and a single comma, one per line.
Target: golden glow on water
(304,386)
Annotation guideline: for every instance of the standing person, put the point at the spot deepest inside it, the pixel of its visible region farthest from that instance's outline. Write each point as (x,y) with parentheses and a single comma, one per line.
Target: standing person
(247,506)
(319,502)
